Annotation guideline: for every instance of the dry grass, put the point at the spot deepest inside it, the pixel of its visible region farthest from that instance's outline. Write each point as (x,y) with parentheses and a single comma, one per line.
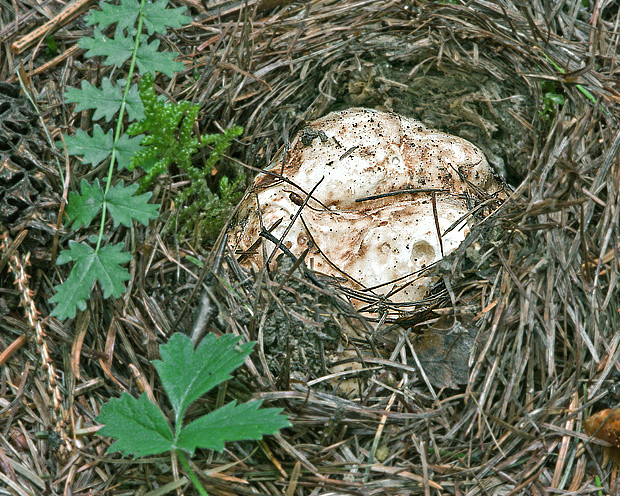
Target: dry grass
(539,291)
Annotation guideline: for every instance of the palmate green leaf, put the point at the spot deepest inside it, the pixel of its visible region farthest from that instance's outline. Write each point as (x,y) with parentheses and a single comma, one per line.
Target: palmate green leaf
(85,206)
(232,422)
(187,374)
(116,50)
(157,18)
(90,266)
(150,60)
(124,207)
(138,425)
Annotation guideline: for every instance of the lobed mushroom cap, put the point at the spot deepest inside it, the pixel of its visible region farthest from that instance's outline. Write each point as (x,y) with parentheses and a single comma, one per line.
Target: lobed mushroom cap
(345,158)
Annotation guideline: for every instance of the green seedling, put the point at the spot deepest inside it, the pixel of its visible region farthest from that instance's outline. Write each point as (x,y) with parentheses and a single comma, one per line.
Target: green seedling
(141,429)
(103,263)
(199,206)
(551,100)
(583,90)
(115,104)
(52,46)
(598,483)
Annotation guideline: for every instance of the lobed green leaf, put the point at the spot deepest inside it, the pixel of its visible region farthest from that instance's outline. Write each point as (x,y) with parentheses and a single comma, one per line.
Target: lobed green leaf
(116,50)
(96,148)
(138,425)
(93,149)
(157,18)
(232,422)
(106,101)
(120,202)
(85,206)
(125,14)
(90,266)
(133,104)
(187,374)
(152,61)
(124,207)
(126,149)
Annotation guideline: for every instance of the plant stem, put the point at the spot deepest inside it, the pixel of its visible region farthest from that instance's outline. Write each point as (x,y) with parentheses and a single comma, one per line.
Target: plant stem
(191,473)
(119,122)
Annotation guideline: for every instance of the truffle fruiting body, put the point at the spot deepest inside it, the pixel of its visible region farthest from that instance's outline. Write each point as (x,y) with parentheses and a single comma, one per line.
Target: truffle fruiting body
(347,159)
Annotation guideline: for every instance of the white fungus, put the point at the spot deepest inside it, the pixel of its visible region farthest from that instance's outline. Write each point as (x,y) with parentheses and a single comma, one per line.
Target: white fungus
(379,243)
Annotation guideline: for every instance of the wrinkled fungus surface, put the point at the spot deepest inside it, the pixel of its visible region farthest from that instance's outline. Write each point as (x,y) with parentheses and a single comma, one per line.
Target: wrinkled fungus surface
(345,158)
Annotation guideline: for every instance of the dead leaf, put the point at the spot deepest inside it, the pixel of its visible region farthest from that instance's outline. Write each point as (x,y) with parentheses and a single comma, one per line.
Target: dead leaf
(605,425)
(444,354)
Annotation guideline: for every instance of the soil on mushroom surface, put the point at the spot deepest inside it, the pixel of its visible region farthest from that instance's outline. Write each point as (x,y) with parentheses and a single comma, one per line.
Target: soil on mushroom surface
(480,389)
(470,104)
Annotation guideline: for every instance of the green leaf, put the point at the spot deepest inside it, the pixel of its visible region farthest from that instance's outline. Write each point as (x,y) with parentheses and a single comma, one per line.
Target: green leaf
(150,60)
(124,207)
(126,148)
(555,98)
(232,422)
(84,207)
(94,149)
(90,266)
(106,101)
(133,104)
(52,46)
(187,374)
(125,14)
(121,204)
(139,426)
(116,50)
(157,17)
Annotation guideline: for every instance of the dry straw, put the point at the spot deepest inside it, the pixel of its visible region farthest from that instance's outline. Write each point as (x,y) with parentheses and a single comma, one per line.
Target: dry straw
(534,291)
